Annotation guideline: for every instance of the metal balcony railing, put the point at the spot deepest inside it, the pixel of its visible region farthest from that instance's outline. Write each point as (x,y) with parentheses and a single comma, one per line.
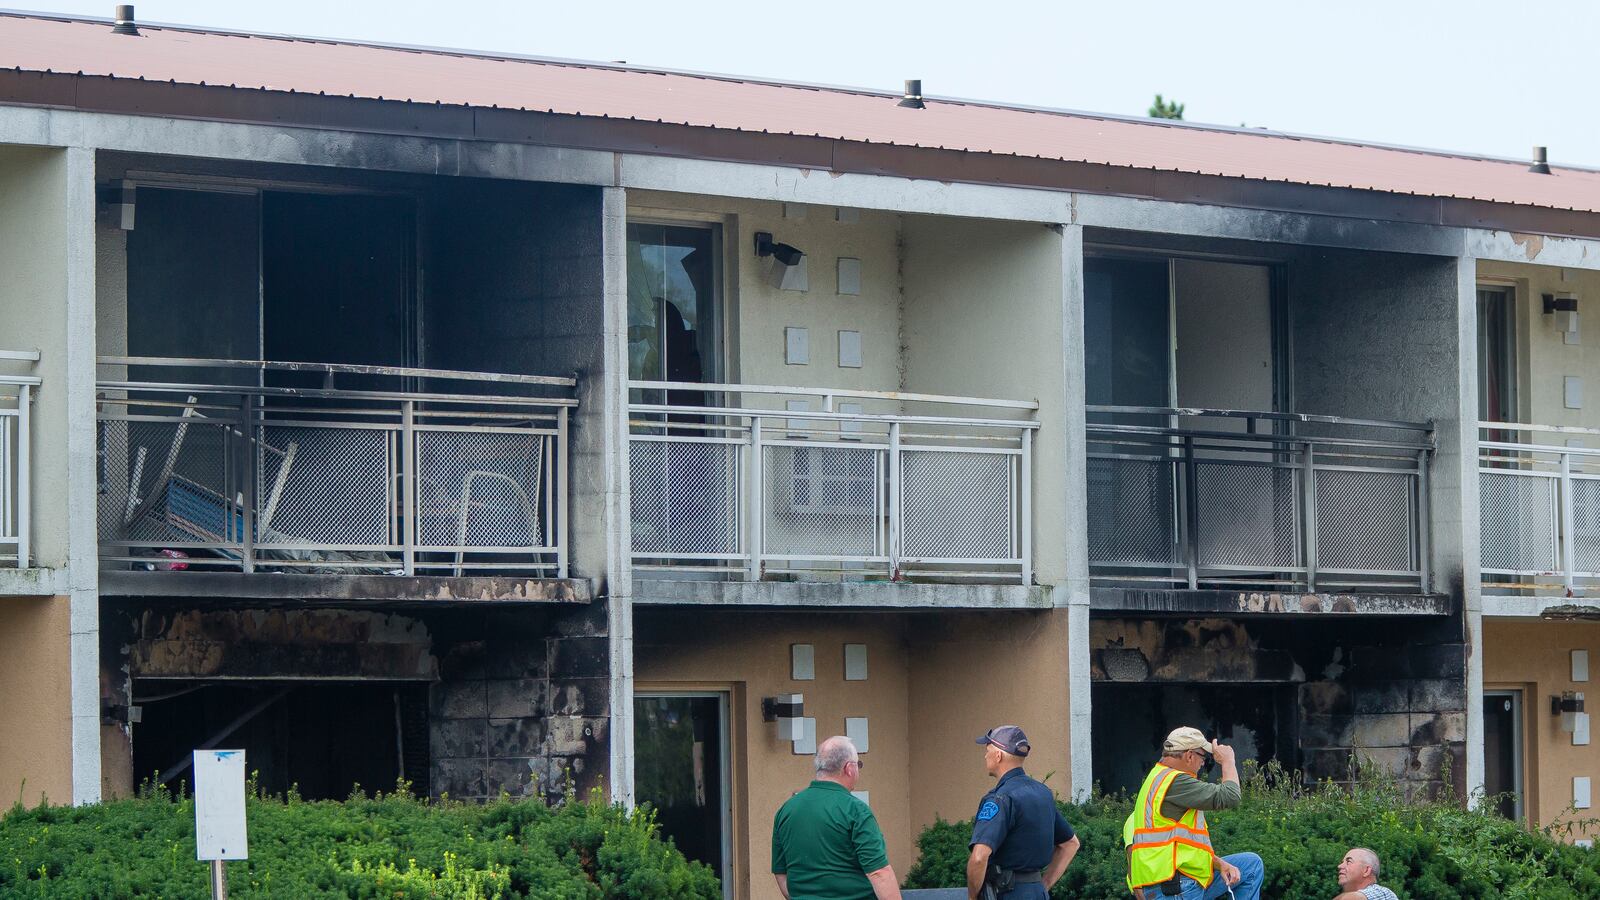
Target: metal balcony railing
(409,471)
(1538,508)
(16,469)
(765,481)
(1222,498)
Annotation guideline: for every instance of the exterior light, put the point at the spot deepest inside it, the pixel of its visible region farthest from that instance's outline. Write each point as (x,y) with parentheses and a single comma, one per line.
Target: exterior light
(1567,706)
(788,711)
(1564,306)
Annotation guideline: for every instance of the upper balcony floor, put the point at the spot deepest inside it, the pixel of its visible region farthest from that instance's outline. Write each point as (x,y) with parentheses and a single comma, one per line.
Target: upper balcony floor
(785,393)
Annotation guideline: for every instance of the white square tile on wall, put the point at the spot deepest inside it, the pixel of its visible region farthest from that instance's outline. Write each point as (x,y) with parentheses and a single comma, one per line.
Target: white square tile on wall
(1580,792)
(794,210)
(807,745)
(863,796)
(856,730)
(803,662)
(847,426)
(846,215)
(796,346)
(1572,391)
(849,349)
(855,662)
(1580,665)
(849,276)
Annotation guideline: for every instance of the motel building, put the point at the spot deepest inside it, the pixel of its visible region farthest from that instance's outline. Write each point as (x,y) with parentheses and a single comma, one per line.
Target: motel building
(500,424)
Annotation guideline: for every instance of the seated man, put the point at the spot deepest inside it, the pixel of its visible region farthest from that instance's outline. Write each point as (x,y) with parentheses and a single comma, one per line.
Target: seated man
(1358,877)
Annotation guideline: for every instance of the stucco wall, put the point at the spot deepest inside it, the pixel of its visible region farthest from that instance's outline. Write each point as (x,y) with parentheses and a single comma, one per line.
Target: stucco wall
(748,654)
(1535,656)
(969,673)
(1542,355)
(985,317)
(923,700)
(35,718)
(33,316)
(756,312)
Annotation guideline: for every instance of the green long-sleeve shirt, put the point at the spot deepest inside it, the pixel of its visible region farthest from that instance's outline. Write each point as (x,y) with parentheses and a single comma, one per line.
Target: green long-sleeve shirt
(1188,792)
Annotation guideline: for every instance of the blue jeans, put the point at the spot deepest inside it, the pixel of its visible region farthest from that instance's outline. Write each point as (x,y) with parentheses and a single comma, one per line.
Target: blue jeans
(1249,887)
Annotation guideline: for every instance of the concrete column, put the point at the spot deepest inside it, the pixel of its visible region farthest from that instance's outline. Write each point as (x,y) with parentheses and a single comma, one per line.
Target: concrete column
(1471,560)
(619,565)
(1074,590)
(81,500)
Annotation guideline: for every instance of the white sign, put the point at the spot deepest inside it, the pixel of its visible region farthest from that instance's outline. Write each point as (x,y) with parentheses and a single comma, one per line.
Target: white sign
(219,828)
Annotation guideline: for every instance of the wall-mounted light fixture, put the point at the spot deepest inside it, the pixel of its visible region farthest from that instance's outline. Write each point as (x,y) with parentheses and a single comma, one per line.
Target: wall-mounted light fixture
(788,262)
(1564,306)
(788,711)
(1567,706)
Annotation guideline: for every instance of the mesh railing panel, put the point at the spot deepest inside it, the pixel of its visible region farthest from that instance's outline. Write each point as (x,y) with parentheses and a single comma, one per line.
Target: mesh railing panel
(685,497)
(1364,520)
(174,481)
(337,490)
(1585,535)
(957,505)
(1247,516)
(824,501)
(1131,514)
(480,489)
(1517,522)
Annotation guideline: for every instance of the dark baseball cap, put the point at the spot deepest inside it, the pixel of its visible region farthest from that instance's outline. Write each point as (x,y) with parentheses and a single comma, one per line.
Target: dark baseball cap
(1008,738)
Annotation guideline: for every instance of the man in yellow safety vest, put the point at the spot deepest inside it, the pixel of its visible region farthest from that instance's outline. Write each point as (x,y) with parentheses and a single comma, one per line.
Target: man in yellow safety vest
(1169,847)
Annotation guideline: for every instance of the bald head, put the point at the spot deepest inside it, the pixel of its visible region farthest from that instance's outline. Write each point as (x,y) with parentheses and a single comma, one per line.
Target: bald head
(1358,869)
(833,754)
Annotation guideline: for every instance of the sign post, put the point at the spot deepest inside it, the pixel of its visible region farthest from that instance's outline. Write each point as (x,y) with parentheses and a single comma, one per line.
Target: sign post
(219,826)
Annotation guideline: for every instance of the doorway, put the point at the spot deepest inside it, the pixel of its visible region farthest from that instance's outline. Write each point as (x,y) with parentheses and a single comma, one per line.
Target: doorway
(322,739)
(1260,720)
(682,768)
(674,315)
(1502,752)
(1180,332)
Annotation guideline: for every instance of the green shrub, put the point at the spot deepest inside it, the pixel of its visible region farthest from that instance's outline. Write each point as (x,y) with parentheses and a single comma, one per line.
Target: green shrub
(1433,850)
(391,846)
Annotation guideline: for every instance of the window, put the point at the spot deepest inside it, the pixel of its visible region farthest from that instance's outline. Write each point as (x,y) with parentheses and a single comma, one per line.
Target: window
(1497,396)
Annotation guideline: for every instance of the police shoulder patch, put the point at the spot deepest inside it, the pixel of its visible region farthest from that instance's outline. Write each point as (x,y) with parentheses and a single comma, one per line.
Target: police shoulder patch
(988,810)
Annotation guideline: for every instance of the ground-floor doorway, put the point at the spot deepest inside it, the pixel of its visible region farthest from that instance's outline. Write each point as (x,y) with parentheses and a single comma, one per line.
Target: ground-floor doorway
(681,767)
(323,738)
(1130,721)
(1502,752)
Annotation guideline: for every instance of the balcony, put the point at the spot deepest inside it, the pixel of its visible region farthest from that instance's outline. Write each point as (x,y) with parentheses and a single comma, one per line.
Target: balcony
(1229,500)
(748,482)
(1539,510)
(250,466)
(16,470)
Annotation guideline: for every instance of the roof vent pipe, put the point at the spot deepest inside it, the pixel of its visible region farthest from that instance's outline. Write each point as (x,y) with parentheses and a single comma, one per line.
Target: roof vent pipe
(1541,162)
(913,97)
(124,20)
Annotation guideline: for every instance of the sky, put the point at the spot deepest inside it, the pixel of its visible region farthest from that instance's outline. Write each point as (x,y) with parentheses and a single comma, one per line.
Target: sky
(1482,77)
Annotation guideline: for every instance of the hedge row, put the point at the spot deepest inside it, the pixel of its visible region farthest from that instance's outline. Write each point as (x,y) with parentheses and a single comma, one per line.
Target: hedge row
(1430,850)
(392,846)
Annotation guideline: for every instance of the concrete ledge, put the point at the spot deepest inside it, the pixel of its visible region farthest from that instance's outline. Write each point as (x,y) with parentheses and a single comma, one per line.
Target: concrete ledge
(1541,607)
(1173,601)
(322,589)
(34,582)
(835,594)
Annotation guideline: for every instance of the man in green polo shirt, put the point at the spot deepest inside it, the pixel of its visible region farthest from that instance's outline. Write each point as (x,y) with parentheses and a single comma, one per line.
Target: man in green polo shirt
(825,843)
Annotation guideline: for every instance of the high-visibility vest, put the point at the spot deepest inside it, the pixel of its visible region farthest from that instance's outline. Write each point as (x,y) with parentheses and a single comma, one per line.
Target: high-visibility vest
(1159,847)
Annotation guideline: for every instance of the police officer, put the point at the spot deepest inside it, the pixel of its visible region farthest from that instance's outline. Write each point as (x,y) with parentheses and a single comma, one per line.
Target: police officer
(1021,844)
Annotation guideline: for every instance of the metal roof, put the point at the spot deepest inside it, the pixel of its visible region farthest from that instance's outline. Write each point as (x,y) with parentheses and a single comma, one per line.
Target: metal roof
(191,56)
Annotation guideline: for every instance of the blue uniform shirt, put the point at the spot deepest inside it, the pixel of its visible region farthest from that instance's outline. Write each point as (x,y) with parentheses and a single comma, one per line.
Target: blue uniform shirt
(1020,821)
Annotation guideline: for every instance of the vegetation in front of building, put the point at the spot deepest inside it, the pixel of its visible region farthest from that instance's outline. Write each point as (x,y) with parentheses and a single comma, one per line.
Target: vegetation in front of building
(1430,850)
(391,845)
